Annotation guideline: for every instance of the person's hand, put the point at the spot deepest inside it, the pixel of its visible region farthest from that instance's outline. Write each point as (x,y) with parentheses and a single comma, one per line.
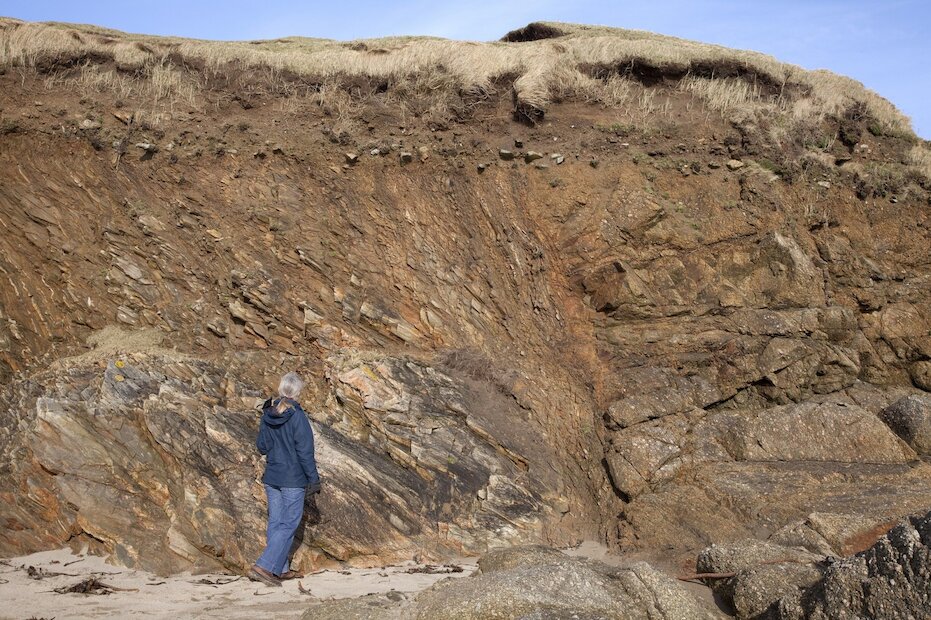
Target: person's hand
(313,489)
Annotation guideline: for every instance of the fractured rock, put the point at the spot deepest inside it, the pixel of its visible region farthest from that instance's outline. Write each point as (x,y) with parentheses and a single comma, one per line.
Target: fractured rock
(757,590)
(660,394)
(833,534)
(763,573)
(892,579)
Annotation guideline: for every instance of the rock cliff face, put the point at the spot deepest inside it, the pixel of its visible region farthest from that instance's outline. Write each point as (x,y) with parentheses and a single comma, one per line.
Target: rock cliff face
(163,445)
(645,336)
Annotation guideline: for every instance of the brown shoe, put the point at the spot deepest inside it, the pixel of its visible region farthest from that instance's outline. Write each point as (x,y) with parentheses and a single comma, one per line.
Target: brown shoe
(257,573)
(291,574)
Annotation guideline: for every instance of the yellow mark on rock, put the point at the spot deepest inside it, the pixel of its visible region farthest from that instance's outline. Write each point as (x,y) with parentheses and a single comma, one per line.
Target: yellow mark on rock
(370,373)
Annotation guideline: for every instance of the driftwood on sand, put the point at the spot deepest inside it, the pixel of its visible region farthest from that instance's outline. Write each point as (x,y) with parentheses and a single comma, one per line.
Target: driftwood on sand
(92,585)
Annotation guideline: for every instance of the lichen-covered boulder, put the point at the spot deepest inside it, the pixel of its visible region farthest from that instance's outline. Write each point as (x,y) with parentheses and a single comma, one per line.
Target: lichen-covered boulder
(531,583)
(910,418)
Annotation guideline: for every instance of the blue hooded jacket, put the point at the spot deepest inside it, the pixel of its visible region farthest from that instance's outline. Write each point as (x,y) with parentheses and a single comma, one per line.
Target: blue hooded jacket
(287,442)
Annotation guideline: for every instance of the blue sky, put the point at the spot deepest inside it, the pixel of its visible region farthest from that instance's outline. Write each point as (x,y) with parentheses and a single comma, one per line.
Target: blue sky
(882,43)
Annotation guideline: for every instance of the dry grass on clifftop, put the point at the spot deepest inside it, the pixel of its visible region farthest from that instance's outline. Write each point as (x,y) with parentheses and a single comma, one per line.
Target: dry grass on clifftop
(542,63)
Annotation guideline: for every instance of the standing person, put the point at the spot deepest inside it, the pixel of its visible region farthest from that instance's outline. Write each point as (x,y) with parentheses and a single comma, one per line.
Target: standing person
(287,441)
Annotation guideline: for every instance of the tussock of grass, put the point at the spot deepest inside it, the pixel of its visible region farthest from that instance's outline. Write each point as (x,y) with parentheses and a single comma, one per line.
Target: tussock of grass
(549,62)
(162,83)
(724,95)
(919,163)
(881,180)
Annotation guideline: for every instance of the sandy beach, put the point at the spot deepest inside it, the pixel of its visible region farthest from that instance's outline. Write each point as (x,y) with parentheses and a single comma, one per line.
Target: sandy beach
(28,589)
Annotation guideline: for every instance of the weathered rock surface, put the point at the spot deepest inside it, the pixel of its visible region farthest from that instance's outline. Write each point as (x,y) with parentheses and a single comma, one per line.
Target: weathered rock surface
(565,590)
(910,418)
(892,579)
(757,590)
(408,465)
(370,607)
(832,534)
(764,573)
(889,579)
(921,375)
(542,583)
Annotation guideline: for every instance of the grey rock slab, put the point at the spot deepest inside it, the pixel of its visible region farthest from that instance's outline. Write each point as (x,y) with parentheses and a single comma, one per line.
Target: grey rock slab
(910,418)
(536,583)
(749,553)
(514,557)
(826,432)
(369,607)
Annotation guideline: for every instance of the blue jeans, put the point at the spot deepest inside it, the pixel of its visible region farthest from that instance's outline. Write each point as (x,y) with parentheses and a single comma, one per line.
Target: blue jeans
(285,509)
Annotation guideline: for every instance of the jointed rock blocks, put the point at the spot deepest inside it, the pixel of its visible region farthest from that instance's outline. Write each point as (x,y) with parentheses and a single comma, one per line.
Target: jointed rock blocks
(765,581)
